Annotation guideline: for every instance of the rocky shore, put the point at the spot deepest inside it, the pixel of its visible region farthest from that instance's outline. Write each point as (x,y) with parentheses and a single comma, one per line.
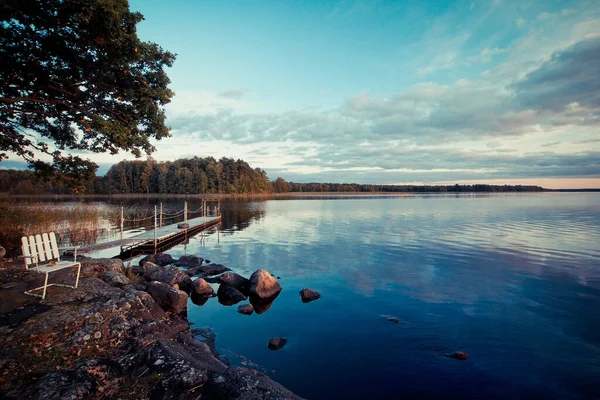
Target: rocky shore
(123,334)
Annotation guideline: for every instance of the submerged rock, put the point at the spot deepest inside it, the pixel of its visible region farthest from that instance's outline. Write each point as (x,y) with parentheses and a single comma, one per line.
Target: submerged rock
(167,297)
(263,285)
(277,343)
(236,281)
(229,296)
(201,287)
(391,318)
(459,355)
(245,309)
(308,295)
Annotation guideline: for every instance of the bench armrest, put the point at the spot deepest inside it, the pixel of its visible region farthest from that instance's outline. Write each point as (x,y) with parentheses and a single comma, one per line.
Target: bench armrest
(71,247)
(32,257)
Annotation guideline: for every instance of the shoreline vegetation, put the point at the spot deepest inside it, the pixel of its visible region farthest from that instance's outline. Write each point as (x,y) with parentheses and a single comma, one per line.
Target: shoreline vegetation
(211,177)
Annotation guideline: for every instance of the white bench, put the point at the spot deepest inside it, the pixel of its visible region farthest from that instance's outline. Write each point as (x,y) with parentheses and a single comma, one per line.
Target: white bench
(40,253)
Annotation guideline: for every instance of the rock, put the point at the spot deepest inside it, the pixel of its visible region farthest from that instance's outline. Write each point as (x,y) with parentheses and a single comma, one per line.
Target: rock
(308,295)
(245,309)
(201,287)
(207,261)
(277,343)
(199,299)
(211,279)
(114,278)
(169,274)
(391,318)
(213,269)
(240,384)
(161,259)
(149,258)
(229,296)
(188,261)
(263,285)
(168,298)
(459,355)
(62,386)
(95,266)
(236,281)
(262,305)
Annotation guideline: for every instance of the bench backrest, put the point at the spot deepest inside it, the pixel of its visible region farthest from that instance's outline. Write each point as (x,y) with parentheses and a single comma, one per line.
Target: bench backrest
(39,248)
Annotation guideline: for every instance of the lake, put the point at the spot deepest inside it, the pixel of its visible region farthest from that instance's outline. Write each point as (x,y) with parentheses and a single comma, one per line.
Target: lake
(511,279)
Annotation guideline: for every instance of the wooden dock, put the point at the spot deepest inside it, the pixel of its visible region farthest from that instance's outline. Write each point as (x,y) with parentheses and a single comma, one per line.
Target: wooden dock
(155,240)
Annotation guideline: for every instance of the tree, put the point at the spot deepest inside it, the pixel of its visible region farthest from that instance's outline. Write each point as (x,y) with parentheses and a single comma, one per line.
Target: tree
(75,76)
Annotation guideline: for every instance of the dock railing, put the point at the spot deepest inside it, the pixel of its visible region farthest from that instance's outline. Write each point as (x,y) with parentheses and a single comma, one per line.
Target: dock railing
(159,216)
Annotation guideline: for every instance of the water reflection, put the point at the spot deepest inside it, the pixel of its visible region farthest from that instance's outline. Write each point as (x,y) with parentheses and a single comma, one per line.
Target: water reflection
(512,280)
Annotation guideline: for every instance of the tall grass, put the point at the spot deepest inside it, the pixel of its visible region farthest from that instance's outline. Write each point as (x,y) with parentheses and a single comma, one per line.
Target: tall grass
(75,223)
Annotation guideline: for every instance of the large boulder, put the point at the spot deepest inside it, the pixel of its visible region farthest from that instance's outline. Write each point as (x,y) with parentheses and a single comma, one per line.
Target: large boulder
(236,281)
(229,296)
(189,261)
(169,274)
(167,297)
(201,287)
(263,285)
(114,278)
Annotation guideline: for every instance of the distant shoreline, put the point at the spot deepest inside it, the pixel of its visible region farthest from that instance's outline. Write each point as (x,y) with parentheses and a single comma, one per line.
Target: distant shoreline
(271,195)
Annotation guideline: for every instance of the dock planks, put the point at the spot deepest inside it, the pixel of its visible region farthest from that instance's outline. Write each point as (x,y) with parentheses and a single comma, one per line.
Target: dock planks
(164,236)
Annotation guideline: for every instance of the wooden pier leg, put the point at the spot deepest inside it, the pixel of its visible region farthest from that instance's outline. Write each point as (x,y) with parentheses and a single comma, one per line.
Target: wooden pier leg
(121,222)
(155,222)
(185,212)
(161,213)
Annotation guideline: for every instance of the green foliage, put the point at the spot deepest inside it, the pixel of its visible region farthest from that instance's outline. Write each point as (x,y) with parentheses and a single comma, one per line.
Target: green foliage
(187,176)
(75,76)
(207,175)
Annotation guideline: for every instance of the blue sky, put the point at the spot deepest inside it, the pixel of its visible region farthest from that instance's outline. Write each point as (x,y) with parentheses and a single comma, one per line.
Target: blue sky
(385,91)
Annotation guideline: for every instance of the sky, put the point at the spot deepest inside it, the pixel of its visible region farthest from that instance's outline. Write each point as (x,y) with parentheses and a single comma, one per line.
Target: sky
(387,92)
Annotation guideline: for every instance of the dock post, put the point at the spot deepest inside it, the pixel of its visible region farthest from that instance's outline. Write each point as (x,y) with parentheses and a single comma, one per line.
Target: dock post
(160,219)
(121,222)
(185,212)
(155,222)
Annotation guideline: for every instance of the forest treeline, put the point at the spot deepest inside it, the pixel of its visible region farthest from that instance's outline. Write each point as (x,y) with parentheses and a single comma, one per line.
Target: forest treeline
(206,175)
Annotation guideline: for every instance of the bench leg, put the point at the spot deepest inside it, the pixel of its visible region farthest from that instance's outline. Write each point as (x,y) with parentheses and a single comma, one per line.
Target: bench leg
(45,286)
(78,272)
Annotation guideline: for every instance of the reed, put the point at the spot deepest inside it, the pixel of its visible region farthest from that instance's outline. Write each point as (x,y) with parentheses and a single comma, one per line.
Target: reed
(75,223)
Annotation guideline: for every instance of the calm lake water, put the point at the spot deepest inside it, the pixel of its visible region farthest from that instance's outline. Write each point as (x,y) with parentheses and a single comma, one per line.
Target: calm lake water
(513,280)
